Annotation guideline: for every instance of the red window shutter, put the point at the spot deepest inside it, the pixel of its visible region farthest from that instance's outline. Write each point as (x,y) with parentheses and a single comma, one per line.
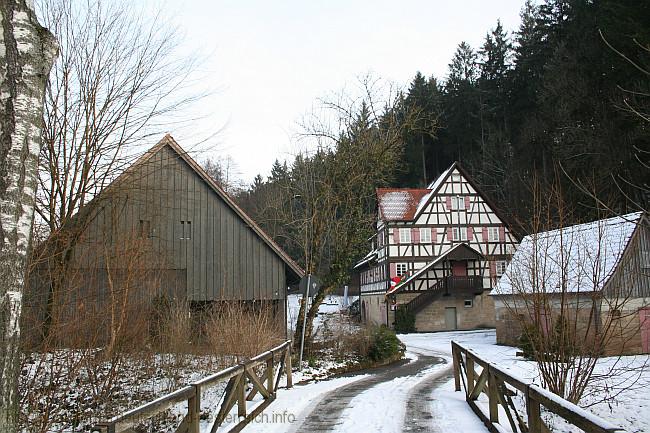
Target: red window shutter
(393,270)
(485,234)
(493,272)
(467,202)
(448,202)
(470,233)
(396,235)
(415,236)
(450,234)
(502,234)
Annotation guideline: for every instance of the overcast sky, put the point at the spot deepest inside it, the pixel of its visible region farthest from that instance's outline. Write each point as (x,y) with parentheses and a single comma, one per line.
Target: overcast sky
(269,61)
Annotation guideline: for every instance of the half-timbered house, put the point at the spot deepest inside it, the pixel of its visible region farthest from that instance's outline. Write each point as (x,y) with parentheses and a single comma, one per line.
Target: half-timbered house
(164,228)
(593,278)
(436,254)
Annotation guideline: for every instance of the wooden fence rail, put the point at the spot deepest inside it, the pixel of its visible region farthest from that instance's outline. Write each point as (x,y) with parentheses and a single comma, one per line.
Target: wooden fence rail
(238,377)
(500,387)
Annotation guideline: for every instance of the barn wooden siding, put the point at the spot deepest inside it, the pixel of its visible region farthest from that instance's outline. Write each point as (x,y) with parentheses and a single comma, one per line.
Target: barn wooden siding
(191,230)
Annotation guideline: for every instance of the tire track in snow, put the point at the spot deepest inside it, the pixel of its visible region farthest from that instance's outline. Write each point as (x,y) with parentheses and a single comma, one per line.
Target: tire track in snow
(325,416)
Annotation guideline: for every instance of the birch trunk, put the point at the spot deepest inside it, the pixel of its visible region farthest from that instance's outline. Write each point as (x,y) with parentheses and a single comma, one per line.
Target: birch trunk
(27,52)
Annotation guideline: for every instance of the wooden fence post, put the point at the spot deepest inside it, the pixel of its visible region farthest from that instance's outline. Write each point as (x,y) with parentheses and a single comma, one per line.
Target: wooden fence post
(493,397)
(194,410)
(456,355)
(288,364)
(241,396)
(534,414)
(469,373)
(270,375)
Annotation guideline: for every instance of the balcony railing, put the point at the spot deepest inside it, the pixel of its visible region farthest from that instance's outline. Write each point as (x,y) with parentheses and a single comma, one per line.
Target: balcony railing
(464,283)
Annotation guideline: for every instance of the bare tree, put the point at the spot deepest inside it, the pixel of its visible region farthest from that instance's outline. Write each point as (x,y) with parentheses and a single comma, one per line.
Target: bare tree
(332,198)
(118,80)
(573,295)
(27,51)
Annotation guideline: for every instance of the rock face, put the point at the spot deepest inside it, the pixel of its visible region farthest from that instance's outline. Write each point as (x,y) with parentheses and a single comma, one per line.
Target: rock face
(27,52)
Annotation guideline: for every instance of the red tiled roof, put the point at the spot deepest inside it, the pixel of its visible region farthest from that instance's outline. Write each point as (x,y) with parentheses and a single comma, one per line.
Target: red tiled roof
(399,204)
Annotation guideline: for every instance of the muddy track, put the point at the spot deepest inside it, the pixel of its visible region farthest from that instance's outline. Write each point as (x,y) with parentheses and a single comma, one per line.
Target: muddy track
(325,416)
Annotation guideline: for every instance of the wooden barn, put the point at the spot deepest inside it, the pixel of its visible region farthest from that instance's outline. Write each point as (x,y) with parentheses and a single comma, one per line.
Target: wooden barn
(164,229)
(594,277)
(436,255)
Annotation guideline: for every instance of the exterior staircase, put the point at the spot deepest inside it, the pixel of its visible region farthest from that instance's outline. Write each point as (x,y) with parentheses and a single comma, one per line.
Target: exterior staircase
(448,285)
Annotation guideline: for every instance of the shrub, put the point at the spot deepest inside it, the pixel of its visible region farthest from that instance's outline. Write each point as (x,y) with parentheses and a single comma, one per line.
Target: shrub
(404,321)
(385,344)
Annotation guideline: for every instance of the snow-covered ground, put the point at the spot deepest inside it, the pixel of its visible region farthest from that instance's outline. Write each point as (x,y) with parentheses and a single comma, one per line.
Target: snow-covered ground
(382,407)
(331,306)
(621,398)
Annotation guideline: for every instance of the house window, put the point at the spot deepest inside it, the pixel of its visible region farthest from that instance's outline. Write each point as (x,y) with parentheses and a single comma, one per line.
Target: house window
(401,269)
(186,230)
(469,303)
(493,234)
(459,233)
(501,266)
(425,235)
(404,236)
(144,229)
(458,203)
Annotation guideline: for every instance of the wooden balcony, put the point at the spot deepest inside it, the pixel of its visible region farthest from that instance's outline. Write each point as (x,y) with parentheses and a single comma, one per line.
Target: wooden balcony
(465,284)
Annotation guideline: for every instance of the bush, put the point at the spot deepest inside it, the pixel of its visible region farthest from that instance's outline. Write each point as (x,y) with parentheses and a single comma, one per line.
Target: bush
(384,345)
(404,321)
(527,340)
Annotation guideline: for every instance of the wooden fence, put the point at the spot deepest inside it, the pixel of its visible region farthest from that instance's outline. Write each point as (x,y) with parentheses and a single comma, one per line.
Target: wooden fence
(500,387)
(235,394)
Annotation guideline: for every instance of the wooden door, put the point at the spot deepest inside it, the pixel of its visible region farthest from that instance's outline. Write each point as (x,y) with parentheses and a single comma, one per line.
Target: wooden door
(644,320)
(459,268)
(450,318)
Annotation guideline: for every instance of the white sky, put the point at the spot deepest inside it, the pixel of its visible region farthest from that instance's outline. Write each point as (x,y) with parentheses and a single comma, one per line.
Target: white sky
(269,61)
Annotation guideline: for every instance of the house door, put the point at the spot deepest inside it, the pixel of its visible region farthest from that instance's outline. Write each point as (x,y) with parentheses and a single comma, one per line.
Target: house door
(450,318)
(644,320)
(459,268)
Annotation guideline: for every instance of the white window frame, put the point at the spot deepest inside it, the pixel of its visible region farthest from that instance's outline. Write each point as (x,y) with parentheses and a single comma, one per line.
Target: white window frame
(469,303)
(425,235)
(455,231)
(458,202)
(500,267)
(401,269)
(493,234)
(404,236)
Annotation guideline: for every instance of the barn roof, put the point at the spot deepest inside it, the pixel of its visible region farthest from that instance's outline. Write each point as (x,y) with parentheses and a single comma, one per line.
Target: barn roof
(399,204)
(168,140)
(579,258)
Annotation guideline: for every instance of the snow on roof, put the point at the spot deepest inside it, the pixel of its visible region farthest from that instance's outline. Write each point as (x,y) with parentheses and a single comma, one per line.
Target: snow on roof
(399,204)
(433,188)
(367,259)
(580,258)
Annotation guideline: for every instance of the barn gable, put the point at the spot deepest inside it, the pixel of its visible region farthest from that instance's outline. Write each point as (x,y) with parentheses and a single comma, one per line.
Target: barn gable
(195,228)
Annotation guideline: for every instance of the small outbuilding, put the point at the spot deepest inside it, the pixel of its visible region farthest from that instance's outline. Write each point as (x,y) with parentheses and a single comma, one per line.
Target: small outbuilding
(592,279)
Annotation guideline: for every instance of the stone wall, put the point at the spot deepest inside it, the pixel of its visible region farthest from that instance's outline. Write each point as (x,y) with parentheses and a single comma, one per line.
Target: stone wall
(480,315)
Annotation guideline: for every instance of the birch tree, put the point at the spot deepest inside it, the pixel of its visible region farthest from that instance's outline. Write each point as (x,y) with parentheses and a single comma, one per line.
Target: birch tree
(27,51)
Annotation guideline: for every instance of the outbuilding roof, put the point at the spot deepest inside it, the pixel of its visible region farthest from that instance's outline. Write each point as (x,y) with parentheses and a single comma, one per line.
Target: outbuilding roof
(579,258)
